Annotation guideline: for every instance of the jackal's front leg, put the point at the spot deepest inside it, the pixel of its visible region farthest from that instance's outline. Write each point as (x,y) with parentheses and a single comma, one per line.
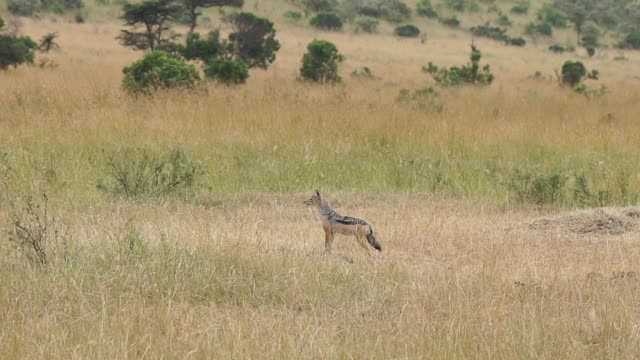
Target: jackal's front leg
(328,238)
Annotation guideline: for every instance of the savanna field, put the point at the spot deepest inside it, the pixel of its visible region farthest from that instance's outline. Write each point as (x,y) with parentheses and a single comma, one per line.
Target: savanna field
(508,214)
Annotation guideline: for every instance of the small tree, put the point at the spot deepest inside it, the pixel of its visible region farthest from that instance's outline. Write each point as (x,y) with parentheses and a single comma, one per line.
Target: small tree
(48,42)
(253,40)
(320,63)
(228,71)
(631,41)
(16,50)
(155,17)
(159,70)
(574,72)
(327,21)
(192,9)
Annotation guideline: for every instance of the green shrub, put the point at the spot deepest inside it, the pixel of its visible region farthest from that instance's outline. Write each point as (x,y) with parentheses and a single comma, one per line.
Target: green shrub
(516,41)
(205,49)
(491,32)
(293,15)
(590,50)
(320,63)
(521,8)
(553,16)
(556,48)
(139,172)
(470,74)
(533,29)
(253,40)
(453,21)
(159,70)
(368,25)
(574,72)
(631,41)
(364,73)
(503,20)
(15,51)
(407,31)
(425,8)
(326,21)
(228,71)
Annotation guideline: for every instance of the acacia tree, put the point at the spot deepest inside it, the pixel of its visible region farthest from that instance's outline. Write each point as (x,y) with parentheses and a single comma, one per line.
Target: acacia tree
(253,40)
(192,6)
(578,12)
(151,23)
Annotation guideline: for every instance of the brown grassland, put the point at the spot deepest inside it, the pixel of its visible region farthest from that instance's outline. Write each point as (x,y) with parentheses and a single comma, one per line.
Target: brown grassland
(473,266)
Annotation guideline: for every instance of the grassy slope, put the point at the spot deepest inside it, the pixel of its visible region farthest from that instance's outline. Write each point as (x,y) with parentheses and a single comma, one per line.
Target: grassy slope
(236,269)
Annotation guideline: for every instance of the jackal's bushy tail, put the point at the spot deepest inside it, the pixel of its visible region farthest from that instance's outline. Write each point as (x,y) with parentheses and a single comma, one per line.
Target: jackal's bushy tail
(372,240)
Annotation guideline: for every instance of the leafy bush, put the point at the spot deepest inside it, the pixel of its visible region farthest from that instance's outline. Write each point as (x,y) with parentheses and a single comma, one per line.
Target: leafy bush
(553,16)
(516,41)
(15,50)
(590,50)
(407,31)
(491,32)
(425,8)
(521,8)
(206,49)
(320,63)
(453,21)
(556,48)
(327,21)
(460,75)
(368,25)
(574,72)
(544,29)
(139,172)
(228,71)
(159,70)
(631,41)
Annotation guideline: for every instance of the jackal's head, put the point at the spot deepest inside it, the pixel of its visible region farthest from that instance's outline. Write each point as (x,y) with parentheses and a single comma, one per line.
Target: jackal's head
(315,199)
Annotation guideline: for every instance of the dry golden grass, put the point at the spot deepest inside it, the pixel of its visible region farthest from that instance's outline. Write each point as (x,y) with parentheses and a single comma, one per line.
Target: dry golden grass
(237,271)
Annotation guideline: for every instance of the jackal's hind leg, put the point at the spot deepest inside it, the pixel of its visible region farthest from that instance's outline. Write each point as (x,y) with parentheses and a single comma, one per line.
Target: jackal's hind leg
(361,237)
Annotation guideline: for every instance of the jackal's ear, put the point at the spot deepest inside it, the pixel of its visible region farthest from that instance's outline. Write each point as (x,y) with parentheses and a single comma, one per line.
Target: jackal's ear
(317,193)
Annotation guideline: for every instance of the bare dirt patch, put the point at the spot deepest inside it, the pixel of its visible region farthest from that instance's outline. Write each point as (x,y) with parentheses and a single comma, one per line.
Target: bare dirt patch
(601,221)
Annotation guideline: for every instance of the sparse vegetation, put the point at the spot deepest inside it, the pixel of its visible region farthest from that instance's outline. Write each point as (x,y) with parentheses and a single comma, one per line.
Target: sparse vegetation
(470,74)
(453,21)
(150,23)
(368,25)
(426,9)
(483,197)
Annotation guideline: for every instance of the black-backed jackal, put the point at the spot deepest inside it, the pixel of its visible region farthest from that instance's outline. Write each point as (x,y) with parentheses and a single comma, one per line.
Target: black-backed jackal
(334,223)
